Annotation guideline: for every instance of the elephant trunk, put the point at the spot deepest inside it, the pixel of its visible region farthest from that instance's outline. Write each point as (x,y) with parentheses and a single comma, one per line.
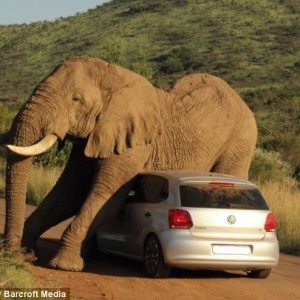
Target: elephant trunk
(28,127)
(17,171)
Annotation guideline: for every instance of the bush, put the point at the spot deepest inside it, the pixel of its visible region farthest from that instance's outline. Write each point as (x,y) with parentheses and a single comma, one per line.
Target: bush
(154,6)
(140,63)
(291,5)
(6,117)
(143,68)
(171,65)
(179,59)
(55,157)
(118,51)
(186,56)
(268,166)
(115,51)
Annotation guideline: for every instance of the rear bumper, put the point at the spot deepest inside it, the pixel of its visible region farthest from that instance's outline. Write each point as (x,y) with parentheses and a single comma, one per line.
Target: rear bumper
(183,250)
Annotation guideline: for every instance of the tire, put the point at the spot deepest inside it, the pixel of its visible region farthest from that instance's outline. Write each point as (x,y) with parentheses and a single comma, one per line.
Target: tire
(261,274)
(153,258)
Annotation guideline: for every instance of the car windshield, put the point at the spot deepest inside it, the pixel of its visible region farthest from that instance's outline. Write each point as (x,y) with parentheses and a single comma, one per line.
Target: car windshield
(221,197)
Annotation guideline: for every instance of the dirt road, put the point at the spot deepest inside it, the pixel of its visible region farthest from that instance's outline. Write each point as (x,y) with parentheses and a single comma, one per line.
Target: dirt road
(116,278)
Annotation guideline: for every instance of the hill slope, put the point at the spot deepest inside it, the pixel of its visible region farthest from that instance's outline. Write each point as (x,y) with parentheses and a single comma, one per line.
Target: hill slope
(251,44)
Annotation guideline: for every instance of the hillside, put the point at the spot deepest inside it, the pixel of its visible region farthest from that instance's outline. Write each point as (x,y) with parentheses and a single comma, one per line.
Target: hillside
(254,45)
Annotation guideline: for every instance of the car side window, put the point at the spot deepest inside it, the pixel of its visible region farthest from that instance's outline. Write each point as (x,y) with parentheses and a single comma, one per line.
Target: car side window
(136,193)
(155,189)
(148,189)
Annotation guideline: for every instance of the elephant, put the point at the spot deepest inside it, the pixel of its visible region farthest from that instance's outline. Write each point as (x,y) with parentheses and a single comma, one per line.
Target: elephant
(120,125)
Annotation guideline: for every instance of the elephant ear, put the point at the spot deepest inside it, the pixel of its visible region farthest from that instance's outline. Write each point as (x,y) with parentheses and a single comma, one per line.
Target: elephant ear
(131,117)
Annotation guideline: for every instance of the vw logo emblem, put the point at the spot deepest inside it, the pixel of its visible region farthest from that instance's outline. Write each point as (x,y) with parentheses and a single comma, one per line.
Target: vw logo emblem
(231,219)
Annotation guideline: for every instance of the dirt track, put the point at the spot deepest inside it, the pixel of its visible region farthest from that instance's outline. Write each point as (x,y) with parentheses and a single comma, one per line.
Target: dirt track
(117,278)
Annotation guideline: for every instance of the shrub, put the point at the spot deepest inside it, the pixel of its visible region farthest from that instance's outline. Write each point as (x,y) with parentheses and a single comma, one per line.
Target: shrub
(118,51)
(186,56)
(181,2)
(291,5)
(115,51)
(143,68)
(178,59)
(6,117)
(288,145)
(267,166)
(171,65)
(140,64)
(154,6)
(55,157)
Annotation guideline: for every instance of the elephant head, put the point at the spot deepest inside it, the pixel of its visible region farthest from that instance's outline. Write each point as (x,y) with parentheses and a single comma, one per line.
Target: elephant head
(85,98)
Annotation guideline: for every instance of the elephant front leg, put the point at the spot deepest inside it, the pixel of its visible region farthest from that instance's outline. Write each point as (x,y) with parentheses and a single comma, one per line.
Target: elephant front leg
(69,256)
(101,206)
(62,202)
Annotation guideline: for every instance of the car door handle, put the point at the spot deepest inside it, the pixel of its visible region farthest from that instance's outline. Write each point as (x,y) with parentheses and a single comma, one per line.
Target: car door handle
(148,214)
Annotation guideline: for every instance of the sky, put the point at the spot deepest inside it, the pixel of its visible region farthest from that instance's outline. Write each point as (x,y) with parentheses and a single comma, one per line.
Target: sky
(27,11)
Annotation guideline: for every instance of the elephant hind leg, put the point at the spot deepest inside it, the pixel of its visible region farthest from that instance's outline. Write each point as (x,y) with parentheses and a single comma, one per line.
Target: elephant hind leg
(236,159)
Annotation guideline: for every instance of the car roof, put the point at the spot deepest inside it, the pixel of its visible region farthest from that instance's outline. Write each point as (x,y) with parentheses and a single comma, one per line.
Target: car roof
(180,177)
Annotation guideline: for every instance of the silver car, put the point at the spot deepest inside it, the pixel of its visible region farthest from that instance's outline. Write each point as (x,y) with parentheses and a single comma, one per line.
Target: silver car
(193,221)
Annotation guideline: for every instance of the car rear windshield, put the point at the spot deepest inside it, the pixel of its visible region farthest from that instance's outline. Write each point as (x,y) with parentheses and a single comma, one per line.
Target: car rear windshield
(221,197)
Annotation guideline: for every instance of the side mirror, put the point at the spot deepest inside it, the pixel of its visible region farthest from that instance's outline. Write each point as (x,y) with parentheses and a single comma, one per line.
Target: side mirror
(131,193)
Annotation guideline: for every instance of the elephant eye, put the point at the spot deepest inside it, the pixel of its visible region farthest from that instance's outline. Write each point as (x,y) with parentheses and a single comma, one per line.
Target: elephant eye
(77,97)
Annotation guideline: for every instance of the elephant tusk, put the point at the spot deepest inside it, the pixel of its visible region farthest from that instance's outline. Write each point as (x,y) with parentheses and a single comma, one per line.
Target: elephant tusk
(4,138)
(40,147)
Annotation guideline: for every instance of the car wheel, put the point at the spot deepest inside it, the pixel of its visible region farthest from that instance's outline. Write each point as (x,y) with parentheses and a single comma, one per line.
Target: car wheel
(154,262)
(259,273)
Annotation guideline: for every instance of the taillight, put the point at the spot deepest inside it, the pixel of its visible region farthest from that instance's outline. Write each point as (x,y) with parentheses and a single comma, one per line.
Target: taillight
(180,219)
(270,225)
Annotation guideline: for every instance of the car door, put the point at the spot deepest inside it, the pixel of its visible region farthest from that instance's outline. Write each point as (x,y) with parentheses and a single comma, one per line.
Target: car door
(117,236)
(142,208)
(125,234)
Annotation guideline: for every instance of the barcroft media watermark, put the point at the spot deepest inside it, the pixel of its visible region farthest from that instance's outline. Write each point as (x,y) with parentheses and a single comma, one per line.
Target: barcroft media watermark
(58,294)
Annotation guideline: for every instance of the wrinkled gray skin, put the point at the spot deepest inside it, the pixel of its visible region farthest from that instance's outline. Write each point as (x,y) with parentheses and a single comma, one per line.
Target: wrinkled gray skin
(120,125)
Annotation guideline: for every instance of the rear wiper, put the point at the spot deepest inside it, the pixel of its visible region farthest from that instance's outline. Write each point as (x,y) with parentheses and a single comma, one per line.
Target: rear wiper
(232,205)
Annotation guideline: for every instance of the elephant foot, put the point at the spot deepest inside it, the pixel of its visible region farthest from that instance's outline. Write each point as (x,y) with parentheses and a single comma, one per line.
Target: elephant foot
(67,261)
(30,255)
(29,251)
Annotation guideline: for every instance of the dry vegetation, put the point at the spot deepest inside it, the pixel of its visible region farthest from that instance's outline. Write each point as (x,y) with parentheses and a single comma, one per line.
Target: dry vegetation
(284,200)
(41,181)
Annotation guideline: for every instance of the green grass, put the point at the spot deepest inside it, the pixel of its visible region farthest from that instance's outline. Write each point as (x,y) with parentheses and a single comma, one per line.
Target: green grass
(14,273)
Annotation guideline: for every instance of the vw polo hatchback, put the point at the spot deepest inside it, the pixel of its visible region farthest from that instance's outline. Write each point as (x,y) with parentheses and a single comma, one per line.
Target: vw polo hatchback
(193,221)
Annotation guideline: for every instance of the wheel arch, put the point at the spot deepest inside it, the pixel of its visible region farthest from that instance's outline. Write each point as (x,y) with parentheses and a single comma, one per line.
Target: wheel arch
(153,233)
